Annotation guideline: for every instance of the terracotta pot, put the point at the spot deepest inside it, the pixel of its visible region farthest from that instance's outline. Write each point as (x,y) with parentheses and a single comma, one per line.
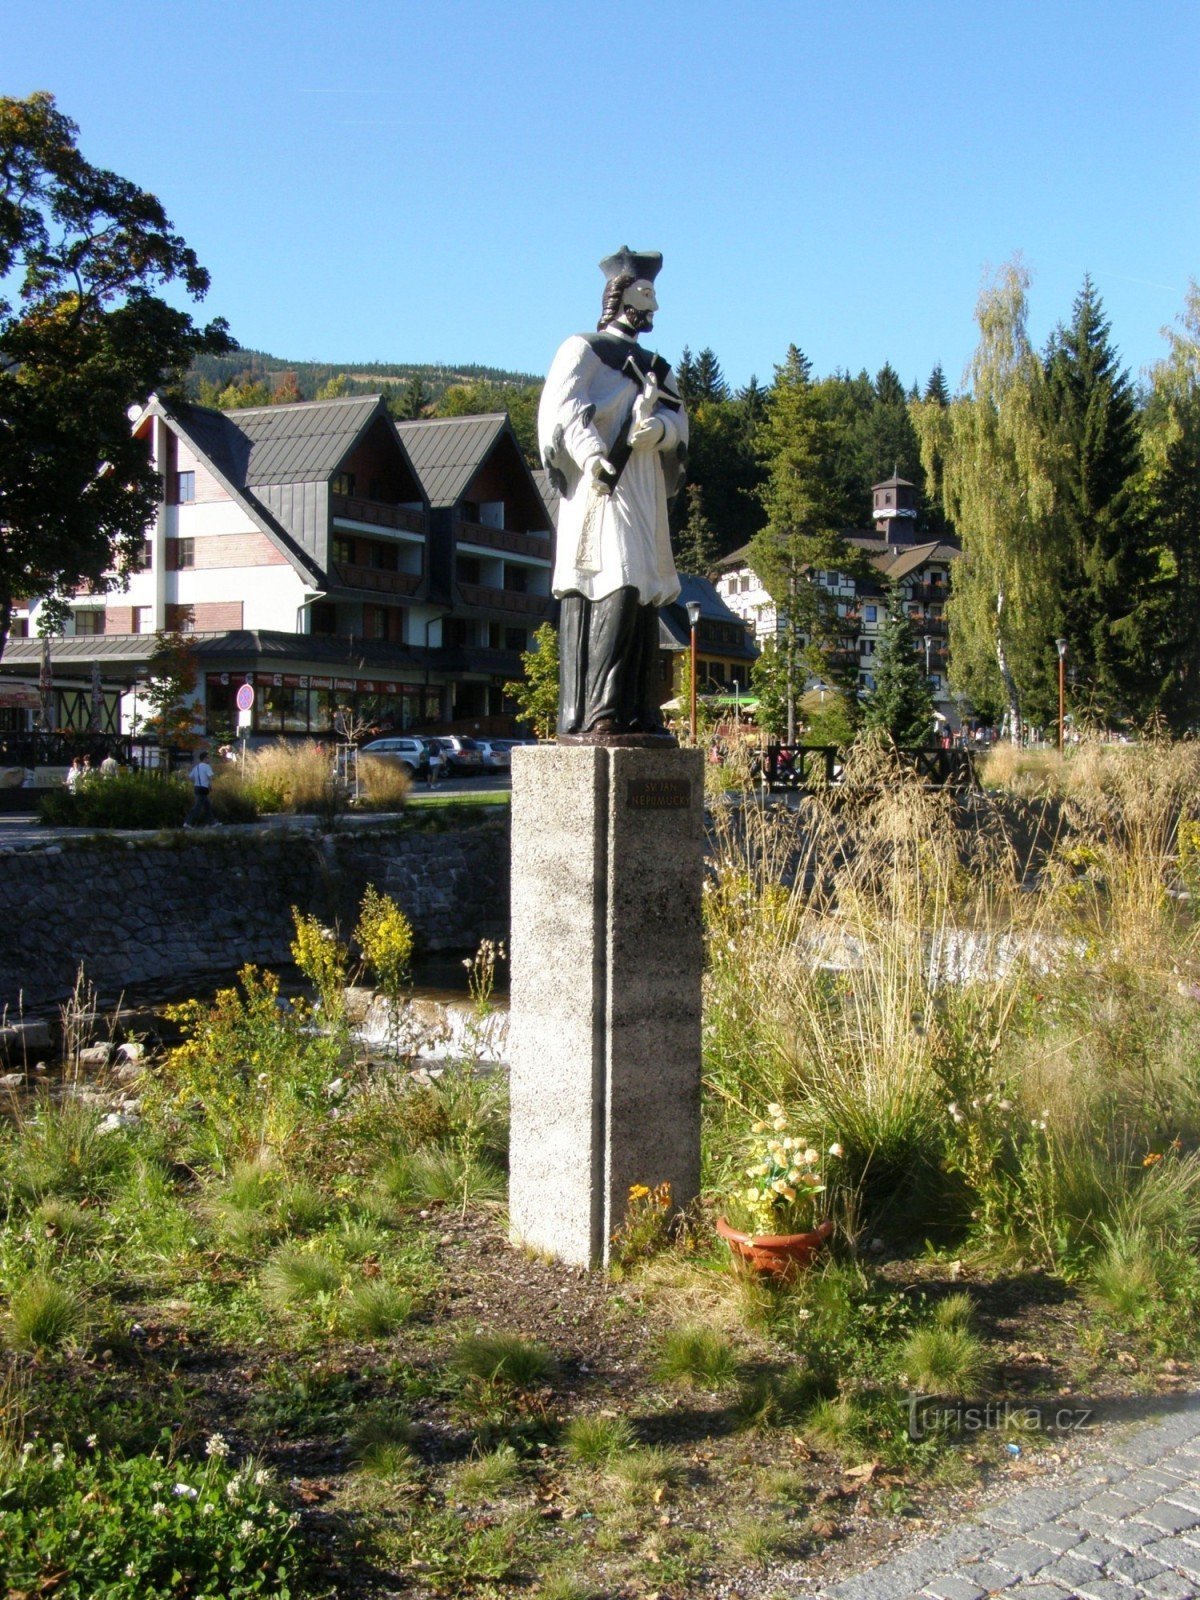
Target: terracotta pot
(775,1255)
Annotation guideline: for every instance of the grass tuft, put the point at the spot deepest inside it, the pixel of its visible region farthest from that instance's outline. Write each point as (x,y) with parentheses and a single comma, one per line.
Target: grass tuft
(697,1356)
(594,1441)
(376,1308)
(944,1360)
(504,1358)
(45,1315)
(489,1474)
(294,1276)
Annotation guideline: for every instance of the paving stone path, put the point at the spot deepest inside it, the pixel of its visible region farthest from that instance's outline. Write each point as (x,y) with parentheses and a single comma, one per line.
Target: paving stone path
(1126,1524)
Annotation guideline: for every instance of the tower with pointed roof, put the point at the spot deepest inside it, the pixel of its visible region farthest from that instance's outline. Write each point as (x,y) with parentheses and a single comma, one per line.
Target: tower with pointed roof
(895,509)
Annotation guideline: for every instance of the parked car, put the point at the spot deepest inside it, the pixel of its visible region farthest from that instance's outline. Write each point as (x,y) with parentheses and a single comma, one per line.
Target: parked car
(496,753)
(463,757)
(410,753)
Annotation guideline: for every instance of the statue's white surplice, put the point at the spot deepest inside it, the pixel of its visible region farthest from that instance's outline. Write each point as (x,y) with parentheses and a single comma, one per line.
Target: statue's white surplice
(618,540)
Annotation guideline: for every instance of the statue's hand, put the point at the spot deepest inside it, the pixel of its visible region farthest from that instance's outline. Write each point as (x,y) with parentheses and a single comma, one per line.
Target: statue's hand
(648,435)
(596,465)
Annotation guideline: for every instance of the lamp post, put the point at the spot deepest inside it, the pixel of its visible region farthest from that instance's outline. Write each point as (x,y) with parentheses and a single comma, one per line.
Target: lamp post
(693,613)
(1061,646)
(928,648)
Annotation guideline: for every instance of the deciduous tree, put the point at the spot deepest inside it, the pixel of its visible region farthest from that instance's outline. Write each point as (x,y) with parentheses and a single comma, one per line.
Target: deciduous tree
(536,693)
(84,335)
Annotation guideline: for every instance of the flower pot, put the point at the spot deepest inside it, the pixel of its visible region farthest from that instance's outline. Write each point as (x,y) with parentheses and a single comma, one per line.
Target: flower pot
(775,1255)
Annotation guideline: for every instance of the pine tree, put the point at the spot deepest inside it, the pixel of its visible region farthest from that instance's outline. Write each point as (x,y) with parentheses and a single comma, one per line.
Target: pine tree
(1090,414)
(685,377)
(412,401)
(900,703)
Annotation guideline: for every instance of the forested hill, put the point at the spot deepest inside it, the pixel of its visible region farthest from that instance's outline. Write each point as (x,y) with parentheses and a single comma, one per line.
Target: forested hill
(246,369)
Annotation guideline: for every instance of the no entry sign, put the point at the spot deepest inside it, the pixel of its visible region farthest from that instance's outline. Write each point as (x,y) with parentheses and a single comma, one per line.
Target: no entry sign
(245,697)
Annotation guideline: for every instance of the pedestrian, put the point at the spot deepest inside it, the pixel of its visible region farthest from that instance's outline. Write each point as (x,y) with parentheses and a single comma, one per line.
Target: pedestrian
(74,773)
(201,777)
(108,767)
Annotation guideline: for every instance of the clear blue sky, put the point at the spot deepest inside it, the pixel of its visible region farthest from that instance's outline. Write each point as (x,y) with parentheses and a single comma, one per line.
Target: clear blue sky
(437,181)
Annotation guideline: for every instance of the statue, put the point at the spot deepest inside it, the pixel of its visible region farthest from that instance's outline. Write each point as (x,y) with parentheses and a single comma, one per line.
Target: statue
(612,432)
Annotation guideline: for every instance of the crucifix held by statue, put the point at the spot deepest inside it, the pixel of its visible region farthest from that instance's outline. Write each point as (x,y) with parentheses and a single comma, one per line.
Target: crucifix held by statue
(613,433)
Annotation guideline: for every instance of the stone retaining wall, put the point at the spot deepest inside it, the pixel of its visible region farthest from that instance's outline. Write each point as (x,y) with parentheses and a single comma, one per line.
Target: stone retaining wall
(137,909)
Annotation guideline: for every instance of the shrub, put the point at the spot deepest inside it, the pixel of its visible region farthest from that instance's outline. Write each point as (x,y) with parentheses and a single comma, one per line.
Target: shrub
(126,800)
(323,959)
(233,799)
(140,1528)
(385,936)
(300,774)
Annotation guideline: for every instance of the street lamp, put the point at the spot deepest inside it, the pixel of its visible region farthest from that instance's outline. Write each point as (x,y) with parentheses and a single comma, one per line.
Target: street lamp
(693,613)
(1061,646)
(928,648)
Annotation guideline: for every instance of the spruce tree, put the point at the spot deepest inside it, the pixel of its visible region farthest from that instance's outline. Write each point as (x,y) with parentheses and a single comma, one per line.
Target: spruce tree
(709,380)
(900,703)
(1090,414)
(937,390)
(696,545)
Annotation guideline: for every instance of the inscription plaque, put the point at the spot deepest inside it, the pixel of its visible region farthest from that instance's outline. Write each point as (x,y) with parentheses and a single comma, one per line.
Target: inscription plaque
(658,794)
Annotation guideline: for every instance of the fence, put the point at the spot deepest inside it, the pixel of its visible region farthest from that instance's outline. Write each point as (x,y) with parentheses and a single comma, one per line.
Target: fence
(800,768)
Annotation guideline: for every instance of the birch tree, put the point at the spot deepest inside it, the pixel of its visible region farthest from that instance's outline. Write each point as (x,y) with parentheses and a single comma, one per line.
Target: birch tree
(989,457)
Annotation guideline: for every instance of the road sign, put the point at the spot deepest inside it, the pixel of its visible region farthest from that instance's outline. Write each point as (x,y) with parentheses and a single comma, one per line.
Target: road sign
(245,697)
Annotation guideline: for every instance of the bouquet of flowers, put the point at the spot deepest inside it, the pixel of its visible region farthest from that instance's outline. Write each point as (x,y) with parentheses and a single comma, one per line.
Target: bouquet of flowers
(784,1177)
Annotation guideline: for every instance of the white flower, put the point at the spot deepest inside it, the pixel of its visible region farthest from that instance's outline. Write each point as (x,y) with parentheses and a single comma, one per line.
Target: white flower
(836,1150)
(217,1446)
(810,1157)
(91,1441)
(245,1528)
(803,1315)
(261,1478)
(184,1491)
(130,1570)
(158,1509)
(336,1087)
(233,1490)
(208,1509)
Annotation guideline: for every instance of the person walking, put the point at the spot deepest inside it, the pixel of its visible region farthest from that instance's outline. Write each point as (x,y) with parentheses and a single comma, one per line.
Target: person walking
(201,777)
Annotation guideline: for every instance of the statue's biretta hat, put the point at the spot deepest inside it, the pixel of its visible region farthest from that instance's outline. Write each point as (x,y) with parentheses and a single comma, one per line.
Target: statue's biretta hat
(640,264)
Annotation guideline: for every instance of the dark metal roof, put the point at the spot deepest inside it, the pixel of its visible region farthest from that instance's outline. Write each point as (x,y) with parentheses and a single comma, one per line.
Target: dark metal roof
(302,443)
(674,630)
(548,493)
(448,451)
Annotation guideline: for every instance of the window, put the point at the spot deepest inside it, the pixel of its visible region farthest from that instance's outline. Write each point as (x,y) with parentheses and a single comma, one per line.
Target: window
(143,619)
(383,557)
(343,483)
(469,570)
(514,639)
(89,622)
(870,613)
(516,579)
(145,560)
(866,647)
(185,487)
(323,617)
(343,552)
(744,583)
(185,554)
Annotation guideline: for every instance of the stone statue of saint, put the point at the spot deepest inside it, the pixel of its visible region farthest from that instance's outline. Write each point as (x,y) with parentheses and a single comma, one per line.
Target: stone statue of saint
(613,432)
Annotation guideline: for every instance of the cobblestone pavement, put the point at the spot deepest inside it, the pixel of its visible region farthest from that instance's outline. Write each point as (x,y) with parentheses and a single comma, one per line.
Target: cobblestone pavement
(1125,1524)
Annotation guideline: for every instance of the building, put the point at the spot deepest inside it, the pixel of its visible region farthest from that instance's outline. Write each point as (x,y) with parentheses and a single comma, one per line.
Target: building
(725,648)
(899,561)
(329,559)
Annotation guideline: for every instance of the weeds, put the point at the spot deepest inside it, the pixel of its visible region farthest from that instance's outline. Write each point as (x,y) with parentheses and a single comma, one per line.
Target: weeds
(699,1356)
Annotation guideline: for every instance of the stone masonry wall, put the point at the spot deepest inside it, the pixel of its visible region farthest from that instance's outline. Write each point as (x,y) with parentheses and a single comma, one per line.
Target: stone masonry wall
(154,908)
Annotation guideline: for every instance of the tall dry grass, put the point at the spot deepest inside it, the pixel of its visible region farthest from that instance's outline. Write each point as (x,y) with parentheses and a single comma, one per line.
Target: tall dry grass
(995,1047)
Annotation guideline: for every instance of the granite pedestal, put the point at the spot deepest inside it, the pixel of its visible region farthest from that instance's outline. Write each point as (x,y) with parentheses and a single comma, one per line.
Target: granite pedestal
(606,945)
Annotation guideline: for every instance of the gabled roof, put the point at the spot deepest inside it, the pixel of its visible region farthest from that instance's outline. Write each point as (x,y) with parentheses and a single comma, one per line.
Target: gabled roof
(217,440)
(300,443)
(448,451)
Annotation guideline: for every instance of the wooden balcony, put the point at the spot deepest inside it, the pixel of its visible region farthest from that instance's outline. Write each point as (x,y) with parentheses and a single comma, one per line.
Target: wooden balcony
(483,597)
(354,509)
(352,576)
(517,544)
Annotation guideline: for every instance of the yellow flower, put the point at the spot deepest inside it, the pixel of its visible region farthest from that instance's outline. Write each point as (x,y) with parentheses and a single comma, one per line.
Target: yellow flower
(751,1197)
(638,1191)
(759,1127)
(1152,1159)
